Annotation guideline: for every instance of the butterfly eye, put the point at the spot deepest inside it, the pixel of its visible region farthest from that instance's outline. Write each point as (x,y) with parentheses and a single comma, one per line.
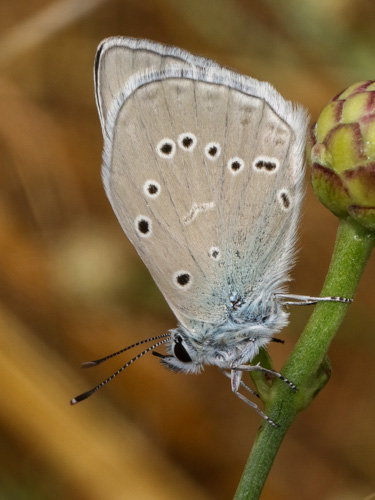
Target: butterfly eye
(180,352)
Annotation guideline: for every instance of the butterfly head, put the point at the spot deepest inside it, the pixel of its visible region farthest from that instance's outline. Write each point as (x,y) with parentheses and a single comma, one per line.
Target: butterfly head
(182,355)
(225,346)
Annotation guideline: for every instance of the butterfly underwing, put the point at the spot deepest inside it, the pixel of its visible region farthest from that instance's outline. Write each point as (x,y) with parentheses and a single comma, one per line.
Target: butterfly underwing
(204,170)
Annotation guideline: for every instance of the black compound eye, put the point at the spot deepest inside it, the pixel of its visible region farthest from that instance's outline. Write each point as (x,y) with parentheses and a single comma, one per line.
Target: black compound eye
(180,352)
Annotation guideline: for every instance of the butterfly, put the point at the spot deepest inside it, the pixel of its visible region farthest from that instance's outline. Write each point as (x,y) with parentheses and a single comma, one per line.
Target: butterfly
(204,170)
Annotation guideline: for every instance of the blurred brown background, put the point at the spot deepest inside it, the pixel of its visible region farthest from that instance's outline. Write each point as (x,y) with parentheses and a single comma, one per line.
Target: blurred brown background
(72,287)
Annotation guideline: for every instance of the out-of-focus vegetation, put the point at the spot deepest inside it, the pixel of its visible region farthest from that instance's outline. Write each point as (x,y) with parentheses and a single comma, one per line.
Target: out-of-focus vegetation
(73,289)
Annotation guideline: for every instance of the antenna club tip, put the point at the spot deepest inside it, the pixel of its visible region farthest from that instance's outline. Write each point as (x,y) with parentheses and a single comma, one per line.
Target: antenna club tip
(73,402)
(88,364)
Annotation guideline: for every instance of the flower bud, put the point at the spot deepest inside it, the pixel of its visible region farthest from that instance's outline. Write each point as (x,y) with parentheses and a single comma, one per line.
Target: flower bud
(341,151)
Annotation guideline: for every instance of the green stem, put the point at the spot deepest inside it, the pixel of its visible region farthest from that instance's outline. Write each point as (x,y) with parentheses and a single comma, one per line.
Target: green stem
(307,365)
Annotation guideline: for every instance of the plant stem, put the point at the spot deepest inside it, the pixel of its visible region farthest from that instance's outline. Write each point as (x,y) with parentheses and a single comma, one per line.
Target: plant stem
(307,365)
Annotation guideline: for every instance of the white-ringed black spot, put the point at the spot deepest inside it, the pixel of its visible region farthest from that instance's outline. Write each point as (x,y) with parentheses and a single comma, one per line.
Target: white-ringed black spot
(143,226)
(266,164)
(284,200)
(212,150)
(166,148)
(187,141)
(182,279)
(214,253)
(151,188)
(235,165)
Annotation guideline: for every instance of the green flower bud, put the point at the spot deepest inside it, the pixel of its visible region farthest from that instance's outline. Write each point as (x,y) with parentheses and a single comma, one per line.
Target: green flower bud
(341,151)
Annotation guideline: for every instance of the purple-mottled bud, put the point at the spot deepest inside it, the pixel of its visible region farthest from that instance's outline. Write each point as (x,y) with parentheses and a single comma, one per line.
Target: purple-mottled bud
(341,152)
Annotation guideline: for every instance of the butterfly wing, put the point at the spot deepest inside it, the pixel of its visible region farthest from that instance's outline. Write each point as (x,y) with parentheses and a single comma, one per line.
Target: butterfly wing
(262,192)
(118,58)
(203,169)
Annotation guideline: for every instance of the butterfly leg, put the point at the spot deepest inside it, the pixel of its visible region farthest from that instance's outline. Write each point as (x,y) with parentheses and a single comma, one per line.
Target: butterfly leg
(236,382)
(306,300)
(259,368)
(242,383)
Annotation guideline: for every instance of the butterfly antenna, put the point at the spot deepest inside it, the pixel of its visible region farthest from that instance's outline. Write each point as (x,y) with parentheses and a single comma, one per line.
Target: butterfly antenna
(89,393)
(96,362)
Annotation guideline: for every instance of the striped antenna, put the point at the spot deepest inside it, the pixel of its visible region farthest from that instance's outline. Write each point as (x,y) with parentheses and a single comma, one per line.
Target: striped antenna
(89,393)
(96,362)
